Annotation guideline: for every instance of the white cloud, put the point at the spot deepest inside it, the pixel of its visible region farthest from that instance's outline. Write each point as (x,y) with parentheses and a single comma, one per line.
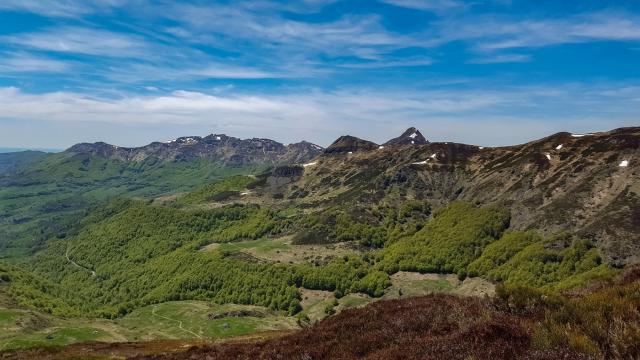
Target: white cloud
(427,5)
(491,32)
(323,115)
(223,26)
(388,63)
(60,8)
(82,41)
(19,63)
(501,58)
(177,70)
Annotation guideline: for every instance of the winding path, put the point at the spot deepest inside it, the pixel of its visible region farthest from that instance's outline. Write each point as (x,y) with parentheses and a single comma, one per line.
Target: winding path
(153,312)
(93,273)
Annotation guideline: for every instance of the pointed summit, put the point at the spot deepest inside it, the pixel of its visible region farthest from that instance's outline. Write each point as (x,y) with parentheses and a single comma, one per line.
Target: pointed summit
(410,136)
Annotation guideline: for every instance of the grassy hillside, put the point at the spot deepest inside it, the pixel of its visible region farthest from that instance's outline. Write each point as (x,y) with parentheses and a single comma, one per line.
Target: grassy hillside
(41,201)
(11,161)
(188,320)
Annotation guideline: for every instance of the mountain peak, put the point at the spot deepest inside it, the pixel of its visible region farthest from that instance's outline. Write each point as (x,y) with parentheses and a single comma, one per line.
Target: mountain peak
(411,136)
(347,144)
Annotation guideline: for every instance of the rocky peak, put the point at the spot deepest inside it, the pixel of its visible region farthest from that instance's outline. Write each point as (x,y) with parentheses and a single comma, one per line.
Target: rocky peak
(347,143)
(301,152)
(411,136)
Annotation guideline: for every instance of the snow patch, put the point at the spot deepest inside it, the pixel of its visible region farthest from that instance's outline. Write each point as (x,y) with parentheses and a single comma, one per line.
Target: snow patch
(244,193)
(218,138)
(548,156)
(434,156)
(380,147)
(624,163)
(189,140)
(481,147)
(317,147)
(413,136)
(559,147)
(310,164)
(424,162)
(350,152)
(412,142)
(580,135)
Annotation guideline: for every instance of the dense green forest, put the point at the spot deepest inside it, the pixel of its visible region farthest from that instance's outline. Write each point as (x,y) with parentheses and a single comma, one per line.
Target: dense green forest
(130,253)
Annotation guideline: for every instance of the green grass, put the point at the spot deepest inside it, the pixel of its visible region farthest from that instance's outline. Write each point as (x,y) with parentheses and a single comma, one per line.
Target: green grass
(217,190)
(161,321)
(351,300)
(429,286)
(260,245)
(54,337)
(7,315)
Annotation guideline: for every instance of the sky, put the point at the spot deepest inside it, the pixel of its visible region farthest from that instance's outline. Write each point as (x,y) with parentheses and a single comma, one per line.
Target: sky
(493,72)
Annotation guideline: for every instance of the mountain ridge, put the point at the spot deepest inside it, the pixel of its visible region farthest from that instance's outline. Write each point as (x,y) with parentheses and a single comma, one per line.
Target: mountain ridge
(218,147)
(585,183)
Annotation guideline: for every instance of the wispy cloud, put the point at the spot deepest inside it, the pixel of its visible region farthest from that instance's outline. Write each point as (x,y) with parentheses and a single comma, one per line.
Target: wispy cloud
(361,36)
(501,59)
(185,71)
(428,5)
(388,63)
(81,40)
(60,8)
(491,32)
(22,62)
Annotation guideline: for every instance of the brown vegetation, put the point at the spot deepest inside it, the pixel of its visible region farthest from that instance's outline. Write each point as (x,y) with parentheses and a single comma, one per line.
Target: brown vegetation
(603,322)
(519,322)
(431,327)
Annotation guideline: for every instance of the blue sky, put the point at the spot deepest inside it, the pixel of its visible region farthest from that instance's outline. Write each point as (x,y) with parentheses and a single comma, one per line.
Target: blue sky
(492,72)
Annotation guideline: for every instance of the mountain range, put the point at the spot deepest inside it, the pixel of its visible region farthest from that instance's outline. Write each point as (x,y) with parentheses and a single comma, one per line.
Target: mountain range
(208,237)
(219,148)
(585,183)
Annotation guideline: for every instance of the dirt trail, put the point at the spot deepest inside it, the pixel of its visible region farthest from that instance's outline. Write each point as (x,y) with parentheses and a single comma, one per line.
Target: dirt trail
(153,312)
(93,273)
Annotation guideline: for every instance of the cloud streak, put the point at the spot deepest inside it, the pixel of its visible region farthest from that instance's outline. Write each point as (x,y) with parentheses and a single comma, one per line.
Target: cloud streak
(61,8)
(492,32)
(22,62)
(428,5)
(81,40)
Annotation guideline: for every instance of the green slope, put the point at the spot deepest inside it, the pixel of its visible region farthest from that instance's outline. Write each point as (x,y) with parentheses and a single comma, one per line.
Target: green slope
(43,196)
(131,253)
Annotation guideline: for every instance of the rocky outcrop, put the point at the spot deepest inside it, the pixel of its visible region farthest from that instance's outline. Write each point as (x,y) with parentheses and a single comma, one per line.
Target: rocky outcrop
(411,136)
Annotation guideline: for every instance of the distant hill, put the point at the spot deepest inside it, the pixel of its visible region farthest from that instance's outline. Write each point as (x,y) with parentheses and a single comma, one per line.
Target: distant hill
(13,160)
(10,150)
